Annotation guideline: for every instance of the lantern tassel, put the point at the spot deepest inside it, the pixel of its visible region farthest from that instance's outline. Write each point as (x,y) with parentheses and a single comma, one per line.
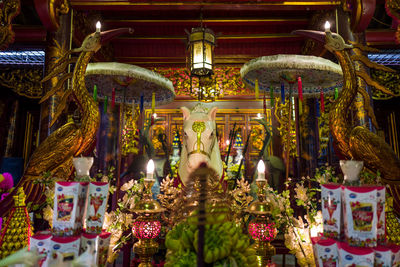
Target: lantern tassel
(113,98)
(153,102)
(336,93)
(300,88)
(141,103)
(283,93)
(264,105)
(95,92)
(322,101)
(257,89)
(271,95)
(300,107)
(105,104)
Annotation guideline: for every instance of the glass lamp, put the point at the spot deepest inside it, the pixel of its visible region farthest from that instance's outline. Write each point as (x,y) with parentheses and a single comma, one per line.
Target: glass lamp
(200,46)
(261,228)
(147,225)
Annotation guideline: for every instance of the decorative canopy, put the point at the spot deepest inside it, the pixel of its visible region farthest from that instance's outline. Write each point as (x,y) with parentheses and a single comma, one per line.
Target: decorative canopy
(130,82)
(316,74)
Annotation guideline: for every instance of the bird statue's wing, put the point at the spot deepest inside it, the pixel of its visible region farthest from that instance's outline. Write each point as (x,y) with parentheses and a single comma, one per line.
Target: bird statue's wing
(375,152)
(45,158)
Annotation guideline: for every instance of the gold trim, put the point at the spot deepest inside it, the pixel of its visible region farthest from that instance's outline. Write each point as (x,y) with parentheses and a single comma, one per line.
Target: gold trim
(381,43)
(126,3)
(204,20)
(225,37)
(228,110)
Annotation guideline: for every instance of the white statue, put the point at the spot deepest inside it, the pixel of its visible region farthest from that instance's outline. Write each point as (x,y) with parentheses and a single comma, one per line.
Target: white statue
(200,142)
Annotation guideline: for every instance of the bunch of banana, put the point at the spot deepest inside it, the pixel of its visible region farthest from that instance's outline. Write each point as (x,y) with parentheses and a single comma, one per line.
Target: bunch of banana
(225,243)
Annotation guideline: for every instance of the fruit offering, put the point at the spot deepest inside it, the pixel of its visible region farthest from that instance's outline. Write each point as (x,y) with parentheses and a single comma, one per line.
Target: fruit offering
(225,244)
(380,210)
(65,208)
(327,253)
(331,209)
(360,215)
(41,243)
(96,207)
(355,256)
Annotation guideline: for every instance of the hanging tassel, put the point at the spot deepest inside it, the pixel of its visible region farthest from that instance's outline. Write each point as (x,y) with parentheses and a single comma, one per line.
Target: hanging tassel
(283,93)
(95,92)
(141,103)
(336,93)
(322,101)
(317,108)
(265,105)
(257,89)
(271,95)
(113,98)
(105,104)
(300,107)
(153,102)
(300,88)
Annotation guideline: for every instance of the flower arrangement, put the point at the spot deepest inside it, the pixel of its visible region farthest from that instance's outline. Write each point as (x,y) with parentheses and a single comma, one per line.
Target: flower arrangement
(298,231)
(120,220)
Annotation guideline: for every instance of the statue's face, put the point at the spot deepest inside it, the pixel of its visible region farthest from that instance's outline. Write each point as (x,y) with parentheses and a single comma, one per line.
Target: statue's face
(199,137)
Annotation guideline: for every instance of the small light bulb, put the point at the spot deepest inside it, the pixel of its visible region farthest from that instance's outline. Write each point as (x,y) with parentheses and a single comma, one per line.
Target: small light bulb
(98,26)
(150,169)
(327,26)
(155,115)
(261,167)
(227,142)
(258,116)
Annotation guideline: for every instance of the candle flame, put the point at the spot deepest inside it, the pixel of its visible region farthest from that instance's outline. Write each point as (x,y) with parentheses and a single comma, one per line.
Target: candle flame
(327,26)
(261,166)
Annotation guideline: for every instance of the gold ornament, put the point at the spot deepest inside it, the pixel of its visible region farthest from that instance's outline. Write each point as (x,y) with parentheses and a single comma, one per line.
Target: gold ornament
(73,138)
(282,116)
(25,82)
(18,219)
(8,10)
(358,142)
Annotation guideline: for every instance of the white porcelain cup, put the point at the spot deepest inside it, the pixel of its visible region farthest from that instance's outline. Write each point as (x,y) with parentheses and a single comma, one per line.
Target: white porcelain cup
(82,165)
(351,169)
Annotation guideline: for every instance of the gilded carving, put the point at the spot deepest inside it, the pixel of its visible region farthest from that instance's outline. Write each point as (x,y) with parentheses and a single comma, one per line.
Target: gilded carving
(25,82)
(390,80)
(157,130)
(282,116)
(8,10)
(227,79)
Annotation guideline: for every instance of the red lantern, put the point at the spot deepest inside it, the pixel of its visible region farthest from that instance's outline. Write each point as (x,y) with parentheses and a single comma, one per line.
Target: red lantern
(146,229)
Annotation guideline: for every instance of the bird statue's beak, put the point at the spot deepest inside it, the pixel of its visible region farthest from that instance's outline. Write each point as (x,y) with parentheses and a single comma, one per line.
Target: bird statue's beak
(316,35)
(111,34)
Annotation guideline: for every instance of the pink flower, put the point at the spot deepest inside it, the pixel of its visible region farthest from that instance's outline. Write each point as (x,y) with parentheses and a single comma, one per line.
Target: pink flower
(8,181)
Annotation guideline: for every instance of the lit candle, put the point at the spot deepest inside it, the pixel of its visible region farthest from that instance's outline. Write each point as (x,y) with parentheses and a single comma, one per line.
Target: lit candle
(150,170)
(261,170)
(98,26)
(327,26)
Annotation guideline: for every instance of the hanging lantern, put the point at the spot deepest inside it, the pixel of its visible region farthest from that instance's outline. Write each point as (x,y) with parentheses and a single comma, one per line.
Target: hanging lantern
(200,46)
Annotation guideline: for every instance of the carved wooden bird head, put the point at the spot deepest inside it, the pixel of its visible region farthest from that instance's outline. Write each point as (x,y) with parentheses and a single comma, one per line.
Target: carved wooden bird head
(94,41)
(333,41)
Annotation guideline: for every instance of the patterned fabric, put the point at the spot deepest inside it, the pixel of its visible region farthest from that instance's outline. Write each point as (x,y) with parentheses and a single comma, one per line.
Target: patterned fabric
(316,74)
(130,82)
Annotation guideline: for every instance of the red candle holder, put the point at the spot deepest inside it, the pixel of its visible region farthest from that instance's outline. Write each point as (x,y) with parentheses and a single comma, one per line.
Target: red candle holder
(147,225)
(261,229)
